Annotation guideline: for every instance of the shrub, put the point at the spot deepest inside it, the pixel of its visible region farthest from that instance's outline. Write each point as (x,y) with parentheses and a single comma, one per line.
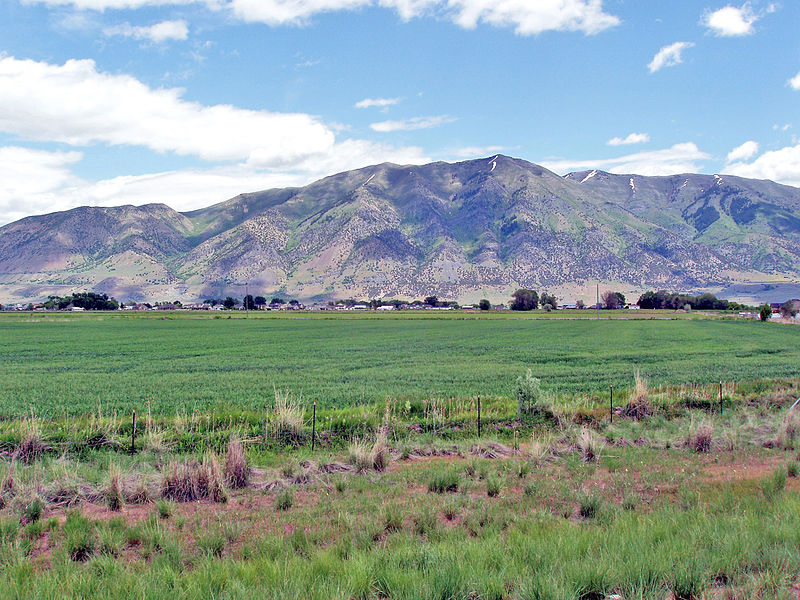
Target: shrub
(445,480)
(284,499)
(237,472)
(589,506)
(492,487)
(530,398)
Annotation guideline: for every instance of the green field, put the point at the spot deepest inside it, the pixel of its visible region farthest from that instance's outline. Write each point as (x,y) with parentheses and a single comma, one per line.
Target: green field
(63,363)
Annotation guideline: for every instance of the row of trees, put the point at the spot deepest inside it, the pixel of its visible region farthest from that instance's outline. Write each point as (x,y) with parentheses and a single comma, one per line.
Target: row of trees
(85,300)
(526,299)
(670,300)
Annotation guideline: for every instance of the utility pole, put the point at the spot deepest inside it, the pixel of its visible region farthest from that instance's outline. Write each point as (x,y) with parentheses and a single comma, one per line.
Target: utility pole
(246,300)
(597,305)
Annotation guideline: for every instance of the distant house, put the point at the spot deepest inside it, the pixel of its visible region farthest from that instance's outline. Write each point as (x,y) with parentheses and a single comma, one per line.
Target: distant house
(77,308)
(568,306)
(386,307)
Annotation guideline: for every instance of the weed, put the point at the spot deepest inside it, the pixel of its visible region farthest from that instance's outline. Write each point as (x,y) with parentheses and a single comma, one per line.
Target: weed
(165,508)
(589,506)
(444,480)
(492,487)
(287,417)
(79,536)
(284,499)
(32,511)
(590,445)
(392,518)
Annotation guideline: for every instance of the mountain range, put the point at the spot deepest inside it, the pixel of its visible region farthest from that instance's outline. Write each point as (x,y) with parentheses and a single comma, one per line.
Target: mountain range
(462,231)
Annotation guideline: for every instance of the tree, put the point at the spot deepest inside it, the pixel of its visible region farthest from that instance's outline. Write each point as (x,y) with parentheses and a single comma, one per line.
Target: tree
(548,300)
(260,301)
(229,303)
(580,304)
(766,312)
(249,303)
(789,309)
(613,300)
(484,304)
(432,301)
(277,300)
(525,299)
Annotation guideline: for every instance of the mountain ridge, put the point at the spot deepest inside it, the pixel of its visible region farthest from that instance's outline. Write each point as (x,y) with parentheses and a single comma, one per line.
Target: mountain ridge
(460,230)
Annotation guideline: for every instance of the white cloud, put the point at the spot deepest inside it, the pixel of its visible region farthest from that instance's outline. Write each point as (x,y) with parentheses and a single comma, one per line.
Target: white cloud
(377,102)
(36,181)
(411,124)
(31,180)
(631,138)
(479,151)
(744,152)
(680,158)
(158,33)
(75,104)
(526,17)
(781,165)
(731,21)
(669,56)
(794,82)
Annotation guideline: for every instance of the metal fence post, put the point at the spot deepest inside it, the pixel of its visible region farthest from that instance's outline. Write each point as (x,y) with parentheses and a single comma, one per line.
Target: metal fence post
(611,406)
(314,426)
(479,415)
(133,433)
(720,398)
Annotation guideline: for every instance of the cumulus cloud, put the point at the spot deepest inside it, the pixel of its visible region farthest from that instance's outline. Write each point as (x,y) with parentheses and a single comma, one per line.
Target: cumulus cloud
(631,138)
(794,82)
(524,16)
(158,33)
(781,165)
(411,124)
(680,158)
(31,180)
(744,152)
(731,21)
(669,56)
(76,104)
(376,102)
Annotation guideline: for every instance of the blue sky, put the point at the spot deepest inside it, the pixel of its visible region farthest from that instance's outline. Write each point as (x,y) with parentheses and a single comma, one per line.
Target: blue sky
(189,102)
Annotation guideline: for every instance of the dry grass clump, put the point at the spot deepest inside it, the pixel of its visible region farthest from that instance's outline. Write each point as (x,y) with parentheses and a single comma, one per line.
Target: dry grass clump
(136,491)
(590,445)
(287,416)
(114,495)
(189,481)
(8,485)
(31,445)
(539,449)
(365,457)
(237,472)
(701,438)
(637,407)
(789,429)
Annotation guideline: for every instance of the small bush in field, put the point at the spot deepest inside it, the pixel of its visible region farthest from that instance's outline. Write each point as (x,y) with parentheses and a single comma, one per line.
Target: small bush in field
(589,506)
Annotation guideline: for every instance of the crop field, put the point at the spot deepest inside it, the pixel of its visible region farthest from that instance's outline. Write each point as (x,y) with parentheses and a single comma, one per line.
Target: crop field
(63,364)
(230,491)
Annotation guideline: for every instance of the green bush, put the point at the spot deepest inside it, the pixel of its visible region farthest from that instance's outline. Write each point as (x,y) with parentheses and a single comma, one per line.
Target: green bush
(32,511)
(530,398)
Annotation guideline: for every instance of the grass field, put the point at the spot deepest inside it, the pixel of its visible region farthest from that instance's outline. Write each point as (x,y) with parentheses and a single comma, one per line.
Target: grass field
(68,364)
(680,497)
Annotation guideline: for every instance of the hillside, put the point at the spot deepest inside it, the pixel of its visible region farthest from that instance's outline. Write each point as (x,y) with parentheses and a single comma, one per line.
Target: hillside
(463,231)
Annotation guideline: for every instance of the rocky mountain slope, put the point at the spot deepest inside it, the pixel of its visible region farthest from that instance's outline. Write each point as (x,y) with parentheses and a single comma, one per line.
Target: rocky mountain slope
(462,231)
